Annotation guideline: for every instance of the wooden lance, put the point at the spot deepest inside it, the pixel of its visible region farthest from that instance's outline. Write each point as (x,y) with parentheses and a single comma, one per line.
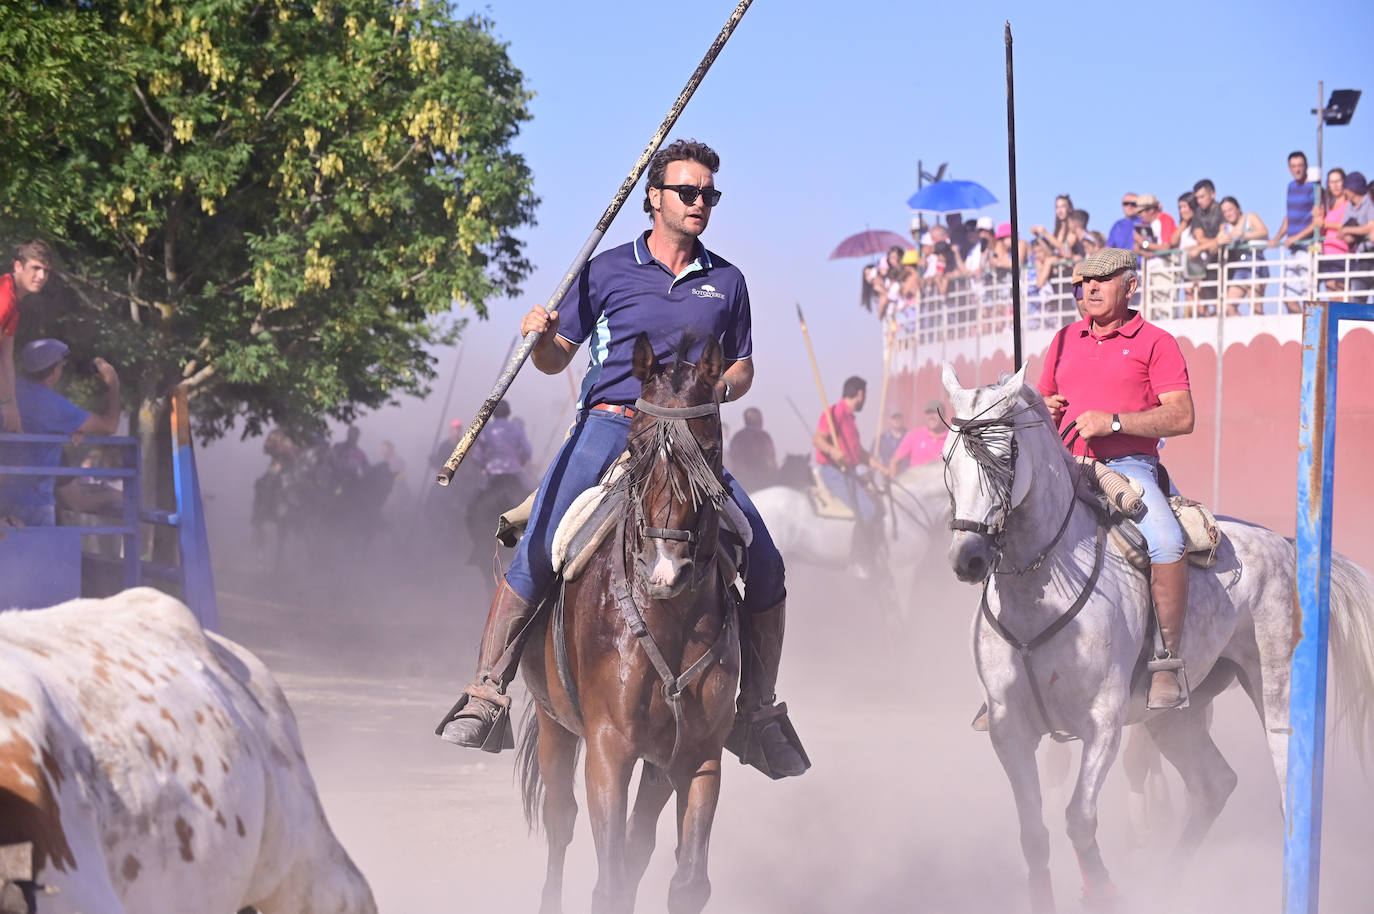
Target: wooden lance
(503,383)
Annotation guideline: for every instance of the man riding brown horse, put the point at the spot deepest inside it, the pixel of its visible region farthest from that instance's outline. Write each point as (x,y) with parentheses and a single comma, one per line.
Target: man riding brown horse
(665,284)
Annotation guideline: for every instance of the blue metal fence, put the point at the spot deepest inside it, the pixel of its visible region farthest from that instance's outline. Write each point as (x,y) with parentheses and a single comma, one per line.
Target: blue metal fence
(40,566)
(1307,695)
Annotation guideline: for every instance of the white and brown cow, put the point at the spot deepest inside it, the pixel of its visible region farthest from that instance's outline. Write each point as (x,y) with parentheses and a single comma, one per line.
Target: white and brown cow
(157,769)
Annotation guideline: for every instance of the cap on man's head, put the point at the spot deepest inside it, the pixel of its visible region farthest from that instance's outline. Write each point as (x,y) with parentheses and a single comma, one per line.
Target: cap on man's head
(1077,278)
(916,224)
(1356,183)
(1145,201)
(1106,262)
(926,239)
(934,406)
(40,355)
(984,223)
(1004,230)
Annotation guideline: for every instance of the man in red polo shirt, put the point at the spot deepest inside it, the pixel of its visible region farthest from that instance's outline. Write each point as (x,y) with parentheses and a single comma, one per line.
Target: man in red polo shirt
(1121,384)
(32,262)
(840,454)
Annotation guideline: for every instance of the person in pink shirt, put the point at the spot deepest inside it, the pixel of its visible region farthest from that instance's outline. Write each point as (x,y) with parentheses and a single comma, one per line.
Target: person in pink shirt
(840,454)
(1115,384)
(920,445)
(1329,217)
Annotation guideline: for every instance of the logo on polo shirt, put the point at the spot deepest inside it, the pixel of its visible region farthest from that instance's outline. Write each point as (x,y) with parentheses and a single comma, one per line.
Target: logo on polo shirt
(706,290)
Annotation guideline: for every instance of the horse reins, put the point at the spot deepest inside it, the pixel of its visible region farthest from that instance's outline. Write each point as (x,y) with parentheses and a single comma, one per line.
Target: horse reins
(982,458)
(710,489)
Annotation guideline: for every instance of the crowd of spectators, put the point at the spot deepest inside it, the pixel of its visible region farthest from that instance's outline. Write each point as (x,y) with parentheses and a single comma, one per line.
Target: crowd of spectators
(1212,244)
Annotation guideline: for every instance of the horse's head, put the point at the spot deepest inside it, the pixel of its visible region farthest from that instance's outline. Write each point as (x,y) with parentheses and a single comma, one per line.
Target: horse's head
(675,469)
(989,465)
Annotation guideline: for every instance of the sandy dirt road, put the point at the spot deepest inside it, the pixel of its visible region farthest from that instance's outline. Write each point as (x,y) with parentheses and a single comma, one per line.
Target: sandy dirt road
(906,809)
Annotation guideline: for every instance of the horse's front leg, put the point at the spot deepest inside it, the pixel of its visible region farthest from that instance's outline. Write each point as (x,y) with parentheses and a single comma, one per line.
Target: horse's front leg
(696,811)
(557,766)
(1099,751)
(609,765)
(654,790)
(1015,740)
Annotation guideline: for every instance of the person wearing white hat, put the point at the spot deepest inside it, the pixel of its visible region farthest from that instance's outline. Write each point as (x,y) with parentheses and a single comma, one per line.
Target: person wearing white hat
(46,412)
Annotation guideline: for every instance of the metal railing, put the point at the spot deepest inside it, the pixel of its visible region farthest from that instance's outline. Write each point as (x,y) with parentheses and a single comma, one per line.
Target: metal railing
(1250,279)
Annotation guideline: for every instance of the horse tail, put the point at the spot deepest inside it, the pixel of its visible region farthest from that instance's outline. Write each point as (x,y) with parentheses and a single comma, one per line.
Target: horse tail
(527,766)
(1352,649)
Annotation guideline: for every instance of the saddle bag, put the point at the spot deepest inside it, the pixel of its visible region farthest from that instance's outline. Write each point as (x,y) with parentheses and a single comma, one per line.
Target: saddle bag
(1201,534)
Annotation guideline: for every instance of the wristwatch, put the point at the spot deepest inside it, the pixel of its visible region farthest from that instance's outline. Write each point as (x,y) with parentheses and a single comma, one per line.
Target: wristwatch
(728,389)
(1116,422)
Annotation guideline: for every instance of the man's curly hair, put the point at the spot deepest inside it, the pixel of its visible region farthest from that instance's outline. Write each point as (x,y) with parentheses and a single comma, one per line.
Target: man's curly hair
(678,151)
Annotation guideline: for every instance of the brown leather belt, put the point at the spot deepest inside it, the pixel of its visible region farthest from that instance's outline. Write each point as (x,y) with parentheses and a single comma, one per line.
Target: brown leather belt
(627,411)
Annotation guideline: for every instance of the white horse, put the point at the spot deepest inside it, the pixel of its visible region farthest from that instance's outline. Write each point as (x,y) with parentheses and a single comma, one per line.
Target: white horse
(919,504)
(1013,487)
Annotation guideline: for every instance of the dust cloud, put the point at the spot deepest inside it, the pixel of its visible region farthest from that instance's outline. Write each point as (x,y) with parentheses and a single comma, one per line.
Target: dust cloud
(905,810)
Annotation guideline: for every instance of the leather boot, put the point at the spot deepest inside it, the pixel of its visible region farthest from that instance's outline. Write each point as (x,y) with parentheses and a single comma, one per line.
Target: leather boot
(481,718)
(1168,681)
(762,735)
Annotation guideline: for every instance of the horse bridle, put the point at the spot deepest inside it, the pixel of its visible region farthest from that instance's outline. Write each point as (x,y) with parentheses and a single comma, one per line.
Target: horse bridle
(712,490)
(674,684)
(1001,478)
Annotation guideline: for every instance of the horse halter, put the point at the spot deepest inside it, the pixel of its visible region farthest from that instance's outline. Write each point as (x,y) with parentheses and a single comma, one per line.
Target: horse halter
(998,473)
(675,441)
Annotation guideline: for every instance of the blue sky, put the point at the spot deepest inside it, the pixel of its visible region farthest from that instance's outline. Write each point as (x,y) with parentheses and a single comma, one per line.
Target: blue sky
(820,112)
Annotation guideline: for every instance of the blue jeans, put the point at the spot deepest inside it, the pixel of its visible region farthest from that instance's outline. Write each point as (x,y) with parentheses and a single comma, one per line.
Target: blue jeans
(1158,525)
(34,515)
(596,441)
(845,487)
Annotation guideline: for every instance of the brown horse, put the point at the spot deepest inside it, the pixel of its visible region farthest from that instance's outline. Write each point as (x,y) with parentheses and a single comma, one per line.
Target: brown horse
(650,662)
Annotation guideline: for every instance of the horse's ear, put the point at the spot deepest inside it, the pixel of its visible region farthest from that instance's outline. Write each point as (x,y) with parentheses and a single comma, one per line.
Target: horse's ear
(712,364)
(1011,387)
(949,378)
(643,364)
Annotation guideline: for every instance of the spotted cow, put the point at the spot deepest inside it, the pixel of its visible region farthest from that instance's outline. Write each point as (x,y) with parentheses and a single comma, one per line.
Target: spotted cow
(156,769)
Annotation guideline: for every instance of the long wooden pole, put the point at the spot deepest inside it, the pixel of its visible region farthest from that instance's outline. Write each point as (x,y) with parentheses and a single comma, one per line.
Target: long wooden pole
(1015,230)
(820,385)
(508,376)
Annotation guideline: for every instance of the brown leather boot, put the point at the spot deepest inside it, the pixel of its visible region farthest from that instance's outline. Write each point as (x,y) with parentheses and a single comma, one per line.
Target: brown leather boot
(481,718)
(1168,681)
(762,735)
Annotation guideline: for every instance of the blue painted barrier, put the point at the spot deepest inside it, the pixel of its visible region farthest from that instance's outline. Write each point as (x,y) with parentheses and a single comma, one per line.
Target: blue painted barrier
(1307,694)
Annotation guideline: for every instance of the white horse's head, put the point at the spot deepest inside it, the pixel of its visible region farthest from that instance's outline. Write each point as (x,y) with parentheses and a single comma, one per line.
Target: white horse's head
(989,470)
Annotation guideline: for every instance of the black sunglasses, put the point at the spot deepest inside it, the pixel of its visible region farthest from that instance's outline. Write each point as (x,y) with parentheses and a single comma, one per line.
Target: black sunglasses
(689,194)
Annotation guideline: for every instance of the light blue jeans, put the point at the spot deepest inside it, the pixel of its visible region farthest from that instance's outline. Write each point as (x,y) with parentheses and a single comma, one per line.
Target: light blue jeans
(846,487)
(1158,525)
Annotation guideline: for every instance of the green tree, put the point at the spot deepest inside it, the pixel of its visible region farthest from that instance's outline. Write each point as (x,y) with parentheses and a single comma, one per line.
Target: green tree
(275,203)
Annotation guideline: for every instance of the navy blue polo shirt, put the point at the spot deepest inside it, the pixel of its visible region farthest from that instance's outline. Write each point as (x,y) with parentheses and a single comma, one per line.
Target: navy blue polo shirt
(624,292)
(1300,201)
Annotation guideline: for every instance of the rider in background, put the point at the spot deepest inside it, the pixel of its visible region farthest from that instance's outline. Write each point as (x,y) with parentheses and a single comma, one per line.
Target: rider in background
(1115,384)
(752,459)
(839,462)
(665,284)
(502,452)
(920,445)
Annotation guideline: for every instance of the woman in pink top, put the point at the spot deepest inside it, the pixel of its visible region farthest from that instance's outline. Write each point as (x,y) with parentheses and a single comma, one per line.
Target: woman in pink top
(1329,221)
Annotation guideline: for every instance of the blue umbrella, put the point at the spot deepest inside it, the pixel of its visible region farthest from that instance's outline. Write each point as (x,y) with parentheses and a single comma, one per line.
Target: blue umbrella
(951,197)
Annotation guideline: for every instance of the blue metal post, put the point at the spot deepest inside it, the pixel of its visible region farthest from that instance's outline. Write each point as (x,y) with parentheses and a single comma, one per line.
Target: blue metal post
(1307,695)
(198,583)
(1307,692)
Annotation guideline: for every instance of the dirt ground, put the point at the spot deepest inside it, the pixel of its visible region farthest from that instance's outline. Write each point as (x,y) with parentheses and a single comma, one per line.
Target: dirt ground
(906,808)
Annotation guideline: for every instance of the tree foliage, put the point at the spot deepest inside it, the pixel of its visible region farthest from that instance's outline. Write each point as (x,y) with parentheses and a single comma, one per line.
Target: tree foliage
(275,202)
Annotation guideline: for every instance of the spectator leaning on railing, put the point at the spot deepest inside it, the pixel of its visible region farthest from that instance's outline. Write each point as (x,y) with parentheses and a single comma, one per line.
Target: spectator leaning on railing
(1122,233)
(32,264)
(46,412)
(1359,234)
(1329,219)
(1238,230)
(1296,228)
(1206,225)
